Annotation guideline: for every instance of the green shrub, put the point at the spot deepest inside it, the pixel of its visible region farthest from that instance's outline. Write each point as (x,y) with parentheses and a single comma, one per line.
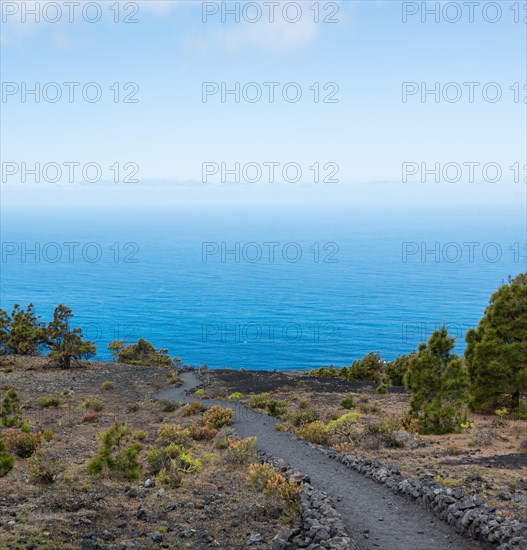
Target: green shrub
(193,408)
(92,405)
(167,405)
(21,443)
(382,388)
(168,434)
(242,451)
(316,432)
(221,440)
(6,460)
(276,408)
(259,400)
(345,425)
(217,417)
(201,433)
(348,402)
(43,467)
(108,385)
(143,353)
(200,392)
(236,396)
(10,412)
(114,457)
(275,484)
(172,458)
(303,416)
(48,402)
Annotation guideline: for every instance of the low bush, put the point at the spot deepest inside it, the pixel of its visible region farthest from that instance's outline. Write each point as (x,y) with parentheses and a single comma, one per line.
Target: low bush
(382,388)
(200,392)
(485,437)
(92,405)
(217,417)
(409,423)
(168,434)
(348,402)
(201,433)
(6,460)
(316,432)
(345,426)
(221,440)
(276,408)
(275,484)
(282,426)
(90,416)
(108,385)
(378,434)
(259,400)
(43,467)
(170,459)
(115,457)
(242,451)
(236,396)
(193,408)
(302,416)
(10,412)
(48,402)
(167,405)
(21,443)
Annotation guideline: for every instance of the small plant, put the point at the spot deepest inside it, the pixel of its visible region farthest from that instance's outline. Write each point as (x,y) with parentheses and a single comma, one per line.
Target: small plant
(47,435)
(282,426)
(108,385)
(236,396)
(133,407)
(466,426)
(275,484)
(316,432)
(193,408)
(242,451)
(10,413)
(200,392)
(276,408)
(259,400)
(173,458)
(21,443)
(217,417)
(221,440)
(6,460)
(484,438)
(409,423)
(167,405)
(454,449)
(502,413)
(114,457)
(303,416)
(348,402)
(382,388)
(345,425)
(201,433)
(90,416)
(168,434)
(92,405)
(48,402)
(43,467)
(140,435)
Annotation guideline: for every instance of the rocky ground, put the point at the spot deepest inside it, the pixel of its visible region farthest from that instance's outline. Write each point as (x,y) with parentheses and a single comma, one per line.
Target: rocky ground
(488,459)
(215,507)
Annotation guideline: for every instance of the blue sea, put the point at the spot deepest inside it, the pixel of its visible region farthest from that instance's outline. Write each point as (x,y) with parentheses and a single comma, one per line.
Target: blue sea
(270,289)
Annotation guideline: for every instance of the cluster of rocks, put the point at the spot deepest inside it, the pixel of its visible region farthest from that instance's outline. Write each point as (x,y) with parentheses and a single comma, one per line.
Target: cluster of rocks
(321,525)
(469,515)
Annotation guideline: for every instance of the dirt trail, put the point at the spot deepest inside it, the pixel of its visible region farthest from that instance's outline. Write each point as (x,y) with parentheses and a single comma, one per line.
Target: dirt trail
(374,516)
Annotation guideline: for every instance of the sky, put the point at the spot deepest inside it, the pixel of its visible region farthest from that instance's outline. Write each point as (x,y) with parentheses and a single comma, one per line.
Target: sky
(356,120)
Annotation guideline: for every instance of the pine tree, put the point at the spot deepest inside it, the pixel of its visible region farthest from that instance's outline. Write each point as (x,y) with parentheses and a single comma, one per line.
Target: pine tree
(439,384)
(496,353)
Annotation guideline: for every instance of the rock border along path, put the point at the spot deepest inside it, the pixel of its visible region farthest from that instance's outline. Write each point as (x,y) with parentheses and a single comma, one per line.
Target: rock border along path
(374,517)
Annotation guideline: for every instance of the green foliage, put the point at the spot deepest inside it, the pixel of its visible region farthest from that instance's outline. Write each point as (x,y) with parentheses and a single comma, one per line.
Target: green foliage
(173,434)
(316,432)
(21,334)
(167,405)
(217,417)
(48,402)
(439,385)
(114,457)
(200,392)
(259,400)
(43,467)
(396,370)
(10,413)
(370,369)
(116,347)
(345,425)
(348,402)
(302,416)
(144,353)
(242,451)
(171,460)
(496,352)
(92,405)
(66,344)
(276,408)
(235,396)
(382,388)
(22,442)
(6,460)
(193,408)
(201,433)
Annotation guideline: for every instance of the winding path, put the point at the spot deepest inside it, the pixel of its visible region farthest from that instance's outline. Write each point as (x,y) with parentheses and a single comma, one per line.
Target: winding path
(373,515)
